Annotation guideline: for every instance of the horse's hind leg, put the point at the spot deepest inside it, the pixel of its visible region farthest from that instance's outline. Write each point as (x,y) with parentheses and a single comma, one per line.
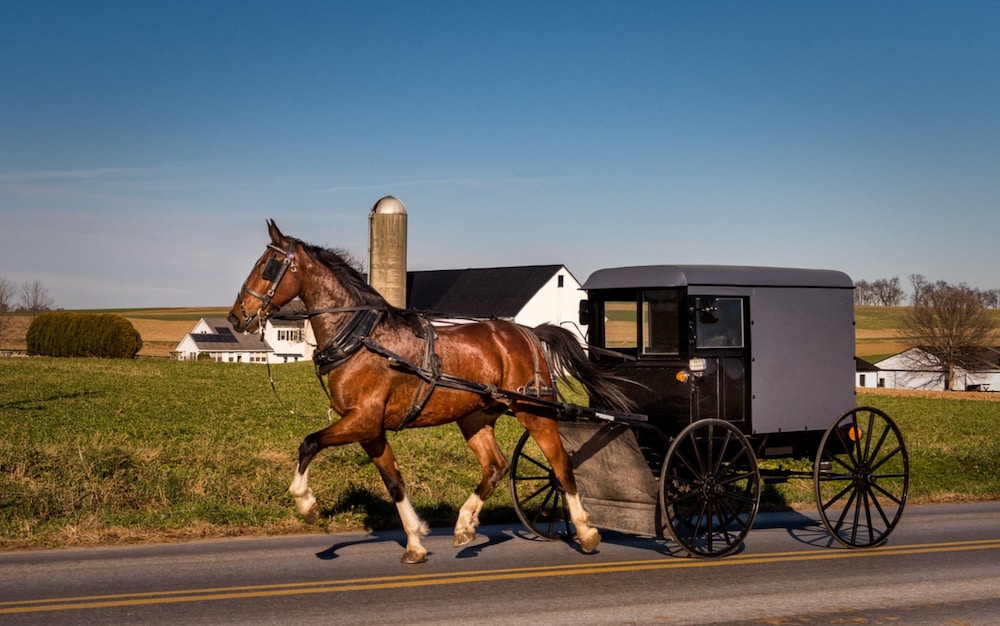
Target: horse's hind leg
(478,432)
(545,432)
(382,456)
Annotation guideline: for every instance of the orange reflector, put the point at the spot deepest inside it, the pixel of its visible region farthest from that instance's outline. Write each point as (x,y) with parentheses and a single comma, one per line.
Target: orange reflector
(682,376)
(855,433)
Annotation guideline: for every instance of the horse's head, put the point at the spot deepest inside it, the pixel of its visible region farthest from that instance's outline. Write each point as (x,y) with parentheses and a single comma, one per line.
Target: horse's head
(272,283)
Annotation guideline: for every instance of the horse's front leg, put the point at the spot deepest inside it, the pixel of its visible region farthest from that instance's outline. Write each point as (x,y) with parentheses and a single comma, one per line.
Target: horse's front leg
(382,456)
(348,429)
(305,500)
(478,432)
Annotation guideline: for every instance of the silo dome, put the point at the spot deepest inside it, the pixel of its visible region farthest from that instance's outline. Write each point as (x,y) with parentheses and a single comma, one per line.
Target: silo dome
(389,205)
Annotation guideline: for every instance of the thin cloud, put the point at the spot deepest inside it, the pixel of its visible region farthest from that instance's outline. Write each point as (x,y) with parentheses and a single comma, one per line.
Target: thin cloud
(84,174)
(457,182)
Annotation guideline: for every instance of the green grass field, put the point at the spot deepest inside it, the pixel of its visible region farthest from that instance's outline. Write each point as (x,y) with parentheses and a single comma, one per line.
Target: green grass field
(116,451)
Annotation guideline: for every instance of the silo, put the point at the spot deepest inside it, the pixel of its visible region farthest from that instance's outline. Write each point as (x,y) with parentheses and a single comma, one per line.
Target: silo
(387,250)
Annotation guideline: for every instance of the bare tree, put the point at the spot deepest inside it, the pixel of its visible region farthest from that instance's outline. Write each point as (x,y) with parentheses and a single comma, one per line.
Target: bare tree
(35,298)
(919,284)
(950,323)
(881,292)
(862,292)
(990,298)
(887,291)
(6,306)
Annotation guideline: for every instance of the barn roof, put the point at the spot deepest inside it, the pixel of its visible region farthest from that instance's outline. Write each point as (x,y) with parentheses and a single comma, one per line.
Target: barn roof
(861,365)
(477,292)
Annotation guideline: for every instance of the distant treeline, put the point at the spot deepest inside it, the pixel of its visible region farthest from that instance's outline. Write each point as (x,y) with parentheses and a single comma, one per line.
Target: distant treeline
(68,334)
(888,292)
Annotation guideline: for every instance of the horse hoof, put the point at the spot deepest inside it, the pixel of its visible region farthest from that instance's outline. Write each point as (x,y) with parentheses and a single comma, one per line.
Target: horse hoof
(311,515)
(590,542)
(411,557)
(464,537)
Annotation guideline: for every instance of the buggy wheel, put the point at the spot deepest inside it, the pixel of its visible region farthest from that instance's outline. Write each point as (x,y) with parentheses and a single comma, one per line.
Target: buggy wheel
(709,488)
(862,476)
(539,499)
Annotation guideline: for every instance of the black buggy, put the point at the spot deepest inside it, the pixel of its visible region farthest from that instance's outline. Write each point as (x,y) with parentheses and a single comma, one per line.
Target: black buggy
(731,365)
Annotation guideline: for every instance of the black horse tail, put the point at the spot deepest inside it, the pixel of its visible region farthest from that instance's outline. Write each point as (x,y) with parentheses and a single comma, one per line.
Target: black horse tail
(566,357)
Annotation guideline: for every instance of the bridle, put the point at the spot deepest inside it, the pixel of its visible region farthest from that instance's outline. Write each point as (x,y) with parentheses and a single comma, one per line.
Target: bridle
(274,272)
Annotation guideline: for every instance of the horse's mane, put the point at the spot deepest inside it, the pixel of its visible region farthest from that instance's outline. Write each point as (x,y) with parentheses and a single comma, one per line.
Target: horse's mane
(340,263)
(336,260)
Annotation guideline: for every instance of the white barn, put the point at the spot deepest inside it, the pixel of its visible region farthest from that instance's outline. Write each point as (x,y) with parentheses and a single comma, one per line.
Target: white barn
(529,295)
(917,369)
(866,374)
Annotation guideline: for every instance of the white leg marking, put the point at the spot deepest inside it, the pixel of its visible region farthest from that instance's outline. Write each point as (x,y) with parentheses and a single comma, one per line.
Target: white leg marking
(305,501)
(468,520)
(588,536)
(415,529)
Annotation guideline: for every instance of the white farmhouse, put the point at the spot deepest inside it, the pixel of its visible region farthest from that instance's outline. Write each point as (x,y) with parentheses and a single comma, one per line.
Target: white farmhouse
(213,338)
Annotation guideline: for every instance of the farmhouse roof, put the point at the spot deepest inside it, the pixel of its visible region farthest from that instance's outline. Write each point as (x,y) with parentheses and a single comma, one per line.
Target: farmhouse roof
(223,339)
(477,292)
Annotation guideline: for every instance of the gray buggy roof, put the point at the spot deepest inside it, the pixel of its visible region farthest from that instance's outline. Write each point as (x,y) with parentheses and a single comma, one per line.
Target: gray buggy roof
(648,276)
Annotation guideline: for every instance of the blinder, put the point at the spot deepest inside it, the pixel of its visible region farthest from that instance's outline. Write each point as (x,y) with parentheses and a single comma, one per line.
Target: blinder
(272,270)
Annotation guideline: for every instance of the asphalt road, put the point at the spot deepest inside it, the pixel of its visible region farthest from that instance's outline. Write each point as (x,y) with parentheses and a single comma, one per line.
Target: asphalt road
(941,566)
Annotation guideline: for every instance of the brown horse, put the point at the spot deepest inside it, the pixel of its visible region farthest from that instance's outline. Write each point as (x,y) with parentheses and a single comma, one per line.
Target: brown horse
(387,368)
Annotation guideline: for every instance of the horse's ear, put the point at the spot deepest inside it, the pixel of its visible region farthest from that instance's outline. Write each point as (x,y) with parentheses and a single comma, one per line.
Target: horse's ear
(272,229)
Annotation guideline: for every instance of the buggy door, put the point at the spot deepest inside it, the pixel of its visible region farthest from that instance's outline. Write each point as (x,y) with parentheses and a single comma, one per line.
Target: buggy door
(719,337)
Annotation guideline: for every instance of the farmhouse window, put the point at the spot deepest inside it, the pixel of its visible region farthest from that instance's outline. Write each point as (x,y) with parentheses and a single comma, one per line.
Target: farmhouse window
(293,334)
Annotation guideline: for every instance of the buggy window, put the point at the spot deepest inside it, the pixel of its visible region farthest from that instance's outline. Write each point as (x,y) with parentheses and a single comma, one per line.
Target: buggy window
(620,324)
(719,322)
(660,322)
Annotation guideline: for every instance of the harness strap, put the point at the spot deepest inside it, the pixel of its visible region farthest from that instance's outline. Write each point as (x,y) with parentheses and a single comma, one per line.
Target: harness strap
(429,376)
(347,341)
(536,388)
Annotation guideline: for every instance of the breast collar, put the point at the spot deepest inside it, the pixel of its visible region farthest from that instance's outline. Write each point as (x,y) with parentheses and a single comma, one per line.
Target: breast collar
(348,340)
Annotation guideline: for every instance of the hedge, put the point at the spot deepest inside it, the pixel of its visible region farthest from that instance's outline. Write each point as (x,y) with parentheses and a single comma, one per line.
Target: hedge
(63,333)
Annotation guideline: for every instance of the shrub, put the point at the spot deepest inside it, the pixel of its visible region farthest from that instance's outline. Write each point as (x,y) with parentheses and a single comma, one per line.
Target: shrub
(63,333)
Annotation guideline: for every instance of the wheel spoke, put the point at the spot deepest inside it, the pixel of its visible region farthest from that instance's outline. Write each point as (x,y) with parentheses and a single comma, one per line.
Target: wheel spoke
(540,465)
(846,511)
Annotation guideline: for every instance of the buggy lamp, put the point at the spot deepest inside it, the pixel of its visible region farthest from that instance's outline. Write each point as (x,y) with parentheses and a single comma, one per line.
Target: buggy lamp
(695,367)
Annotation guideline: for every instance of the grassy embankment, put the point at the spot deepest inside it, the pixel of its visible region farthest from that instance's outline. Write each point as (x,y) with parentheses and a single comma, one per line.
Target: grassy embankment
(112,451)
(99,451)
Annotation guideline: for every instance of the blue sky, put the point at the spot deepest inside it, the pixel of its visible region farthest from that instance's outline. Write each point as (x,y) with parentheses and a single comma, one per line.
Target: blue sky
(143,144)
